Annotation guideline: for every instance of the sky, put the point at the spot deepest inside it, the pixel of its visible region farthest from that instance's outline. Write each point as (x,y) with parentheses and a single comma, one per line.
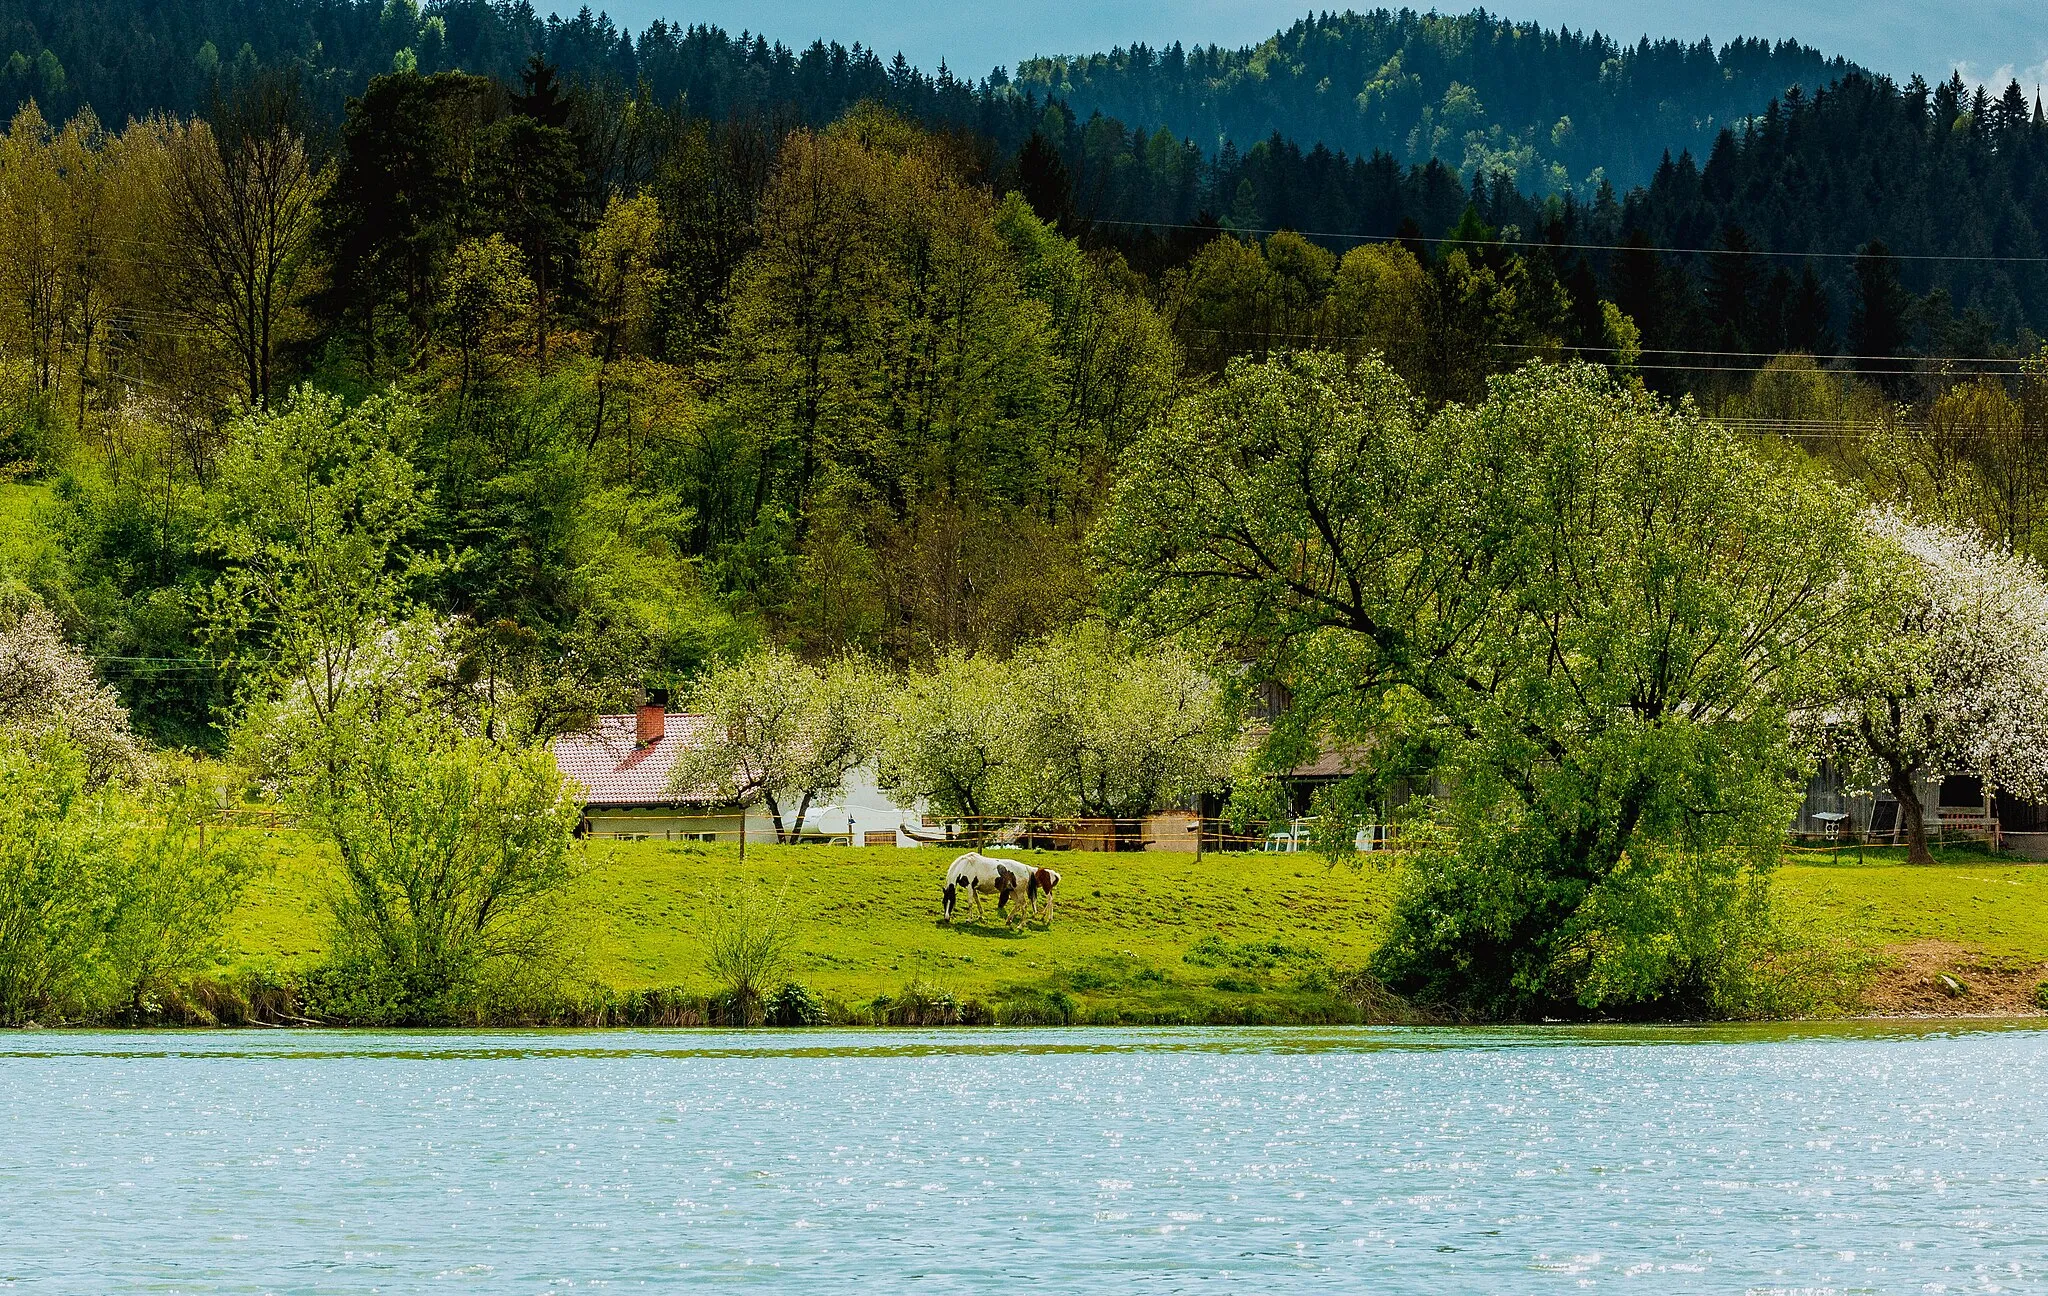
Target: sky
(1989,40)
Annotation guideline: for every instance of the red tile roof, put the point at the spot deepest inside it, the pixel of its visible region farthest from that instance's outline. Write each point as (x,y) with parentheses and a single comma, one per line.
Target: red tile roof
(614,771)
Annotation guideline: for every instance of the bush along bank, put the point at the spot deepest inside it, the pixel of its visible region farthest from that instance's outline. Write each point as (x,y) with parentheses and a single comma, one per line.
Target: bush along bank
(1083,997)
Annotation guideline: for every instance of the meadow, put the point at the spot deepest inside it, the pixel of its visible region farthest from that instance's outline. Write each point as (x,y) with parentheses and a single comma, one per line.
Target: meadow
(1156,936)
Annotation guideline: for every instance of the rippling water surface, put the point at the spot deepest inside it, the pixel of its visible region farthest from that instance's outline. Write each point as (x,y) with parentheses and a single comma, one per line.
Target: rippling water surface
(1069,1161)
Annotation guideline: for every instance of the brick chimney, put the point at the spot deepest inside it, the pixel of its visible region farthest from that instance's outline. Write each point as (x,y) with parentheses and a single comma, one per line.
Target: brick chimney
(650,721)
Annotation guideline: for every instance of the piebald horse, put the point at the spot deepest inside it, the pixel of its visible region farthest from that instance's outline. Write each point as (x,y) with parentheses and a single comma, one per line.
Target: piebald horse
(978,875)
(1039,889)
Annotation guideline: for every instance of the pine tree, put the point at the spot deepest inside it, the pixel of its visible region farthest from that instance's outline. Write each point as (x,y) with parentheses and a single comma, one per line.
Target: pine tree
(1807,324)
(1733,292)
(1639,287)
(1043,180)
(1771,313)
(1878,322)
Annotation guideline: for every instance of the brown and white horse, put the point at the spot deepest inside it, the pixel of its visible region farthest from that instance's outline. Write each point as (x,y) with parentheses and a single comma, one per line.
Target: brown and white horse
(978,875)
(1038,890)
(1007,880)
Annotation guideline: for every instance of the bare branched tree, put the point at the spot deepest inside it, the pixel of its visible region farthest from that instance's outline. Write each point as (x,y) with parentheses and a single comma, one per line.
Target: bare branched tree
(242,198)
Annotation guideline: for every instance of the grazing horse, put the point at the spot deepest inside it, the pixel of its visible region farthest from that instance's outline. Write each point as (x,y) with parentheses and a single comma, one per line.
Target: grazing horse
(1041,883)
(978,875)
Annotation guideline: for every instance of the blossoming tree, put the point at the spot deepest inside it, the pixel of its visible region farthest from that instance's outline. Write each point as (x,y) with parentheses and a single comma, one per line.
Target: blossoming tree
(1959,683)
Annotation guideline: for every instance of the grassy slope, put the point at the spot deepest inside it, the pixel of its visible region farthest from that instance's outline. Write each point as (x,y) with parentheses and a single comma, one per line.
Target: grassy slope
(1987,906)
(867,918)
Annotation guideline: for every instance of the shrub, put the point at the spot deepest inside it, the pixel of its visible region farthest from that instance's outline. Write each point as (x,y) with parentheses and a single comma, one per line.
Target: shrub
(2041,996)
(1494,927)
(1373,1002)
(454,853)
(747,944)
(175,892)
(57,860)
(795,1005)
(919,1003)
(1036,1008)
(107,897)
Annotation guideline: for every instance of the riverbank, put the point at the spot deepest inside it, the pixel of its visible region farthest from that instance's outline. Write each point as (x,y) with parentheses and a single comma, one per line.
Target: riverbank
(1159,937)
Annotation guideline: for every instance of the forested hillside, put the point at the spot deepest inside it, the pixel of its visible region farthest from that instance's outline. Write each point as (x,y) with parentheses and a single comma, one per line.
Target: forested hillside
(840,354)
(1948,178)
(1558,111)
(1774,149)
(371,445)
(128,58)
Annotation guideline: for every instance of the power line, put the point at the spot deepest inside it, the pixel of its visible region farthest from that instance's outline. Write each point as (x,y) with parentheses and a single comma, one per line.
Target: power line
(1773,355)
(1757,369)
(2015,368)
(1578,247)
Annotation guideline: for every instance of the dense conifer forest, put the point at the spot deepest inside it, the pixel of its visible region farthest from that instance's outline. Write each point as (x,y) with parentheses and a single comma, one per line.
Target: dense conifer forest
(1559,111)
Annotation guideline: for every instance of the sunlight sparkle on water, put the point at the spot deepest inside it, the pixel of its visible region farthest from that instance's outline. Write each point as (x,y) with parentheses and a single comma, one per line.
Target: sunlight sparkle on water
(1747,1159)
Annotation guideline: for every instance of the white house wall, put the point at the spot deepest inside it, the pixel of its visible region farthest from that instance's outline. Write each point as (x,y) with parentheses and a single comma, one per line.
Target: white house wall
(867,807)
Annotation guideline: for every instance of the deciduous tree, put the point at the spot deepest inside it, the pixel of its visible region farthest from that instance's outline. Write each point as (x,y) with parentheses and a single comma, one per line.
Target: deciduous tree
(954,739)
(782,733)
(243,201)
(1594,608)
(1957,682)
(48,689)
(1115,733)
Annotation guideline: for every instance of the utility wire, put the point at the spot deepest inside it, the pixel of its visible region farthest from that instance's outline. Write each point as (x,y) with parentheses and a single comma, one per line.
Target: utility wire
(1577,247)
(2013,368)
(1773,355)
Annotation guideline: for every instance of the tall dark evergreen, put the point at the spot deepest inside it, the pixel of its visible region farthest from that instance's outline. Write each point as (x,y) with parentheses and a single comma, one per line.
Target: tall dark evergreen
(401,199)
(1735,294)
(1808,318)
(1878,319)
(1043,180)
(532,189)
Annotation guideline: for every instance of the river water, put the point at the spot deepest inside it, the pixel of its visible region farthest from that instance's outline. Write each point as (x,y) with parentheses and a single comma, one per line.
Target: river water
(1728,1160)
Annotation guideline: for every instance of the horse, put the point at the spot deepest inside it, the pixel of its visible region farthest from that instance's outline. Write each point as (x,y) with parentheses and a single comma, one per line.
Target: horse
(980,875)
(1041,883)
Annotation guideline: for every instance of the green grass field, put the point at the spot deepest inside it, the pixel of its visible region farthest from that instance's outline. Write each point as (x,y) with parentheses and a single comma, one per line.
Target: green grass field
(1983,903)
(868,925)
(26,547)
(868,921)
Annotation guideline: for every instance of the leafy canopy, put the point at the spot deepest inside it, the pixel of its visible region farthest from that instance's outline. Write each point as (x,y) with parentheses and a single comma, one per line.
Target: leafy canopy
(1593,609)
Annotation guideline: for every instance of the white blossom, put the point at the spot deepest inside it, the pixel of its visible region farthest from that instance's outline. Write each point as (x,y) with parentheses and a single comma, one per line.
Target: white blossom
(1962,685)
(48,687)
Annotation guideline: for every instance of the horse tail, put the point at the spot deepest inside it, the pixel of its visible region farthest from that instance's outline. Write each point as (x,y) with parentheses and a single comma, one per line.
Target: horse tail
(949,894)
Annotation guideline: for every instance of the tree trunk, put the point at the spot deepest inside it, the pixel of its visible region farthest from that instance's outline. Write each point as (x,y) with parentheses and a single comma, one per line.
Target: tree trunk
(1905,787)
(796,827)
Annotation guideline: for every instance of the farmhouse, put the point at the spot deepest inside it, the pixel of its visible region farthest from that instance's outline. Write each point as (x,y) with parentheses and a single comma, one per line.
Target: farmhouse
(626,764)
(624,767)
